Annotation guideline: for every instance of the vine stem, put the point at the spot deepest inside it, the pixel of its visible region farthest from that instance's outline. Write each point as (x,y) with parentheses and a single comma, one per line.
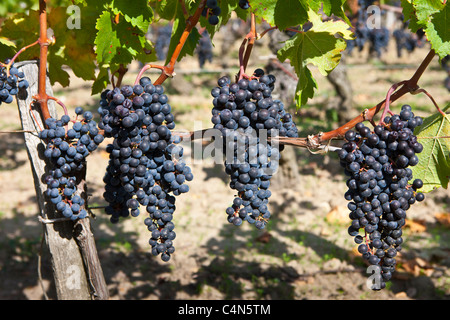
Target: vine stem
(368,114)
(251,40)
(388,98)
(42,97)
(316,141)
(168,70)
(60,103)
(9,64)
(265,31)
(421,90)
(145,68)
(121,71)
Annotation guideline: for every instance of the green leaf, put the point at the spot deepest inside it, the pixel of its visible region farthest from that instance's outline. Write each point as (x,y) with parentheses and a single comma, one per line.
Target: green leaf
(167,9)
(106,41)
(409,14)
(320,46)
(434,161)
(117,43)
(57,74)
(7,48)
(139,14)
(290,13)
(425,9)
(19,29)
(265,9)
(335,7)
(7,43)
(438,32)
(434,17)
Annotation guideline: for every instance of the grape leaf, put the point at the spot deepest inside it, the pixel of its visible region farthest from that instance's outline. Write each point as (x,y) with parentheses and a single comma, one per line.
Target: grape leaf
(167,9)
(335,7)
(139,14)
(106,41)
(425,9)
(55,70)
(290,13)
(72,46)
(409,14)
(434,17)
(438,32)
(7,48)
(117,43)
(18,28)
(319,46)
(264,9)
(434,161)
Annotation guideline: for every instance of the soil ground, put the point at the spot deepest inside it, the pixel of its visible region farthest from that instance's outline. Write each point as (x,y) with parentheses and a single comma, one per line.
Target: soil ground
(304,253)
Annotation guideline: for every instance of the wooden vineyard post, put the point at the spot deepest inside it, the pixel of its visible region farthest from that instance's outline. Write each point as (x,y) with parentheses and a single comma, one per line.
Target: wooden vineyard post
(76,267)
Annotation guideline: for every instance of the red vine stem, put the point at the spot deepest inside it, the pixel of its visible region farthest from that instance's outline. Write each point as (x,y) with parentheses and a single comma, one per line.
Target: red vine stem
(9,64)
(42,97)
(121,71)
(60,103)
(388,98)
(145,68)
(34,117)
(431,98)
(265,31)
(251,40)
(315,142)
(168,70)
(368,114)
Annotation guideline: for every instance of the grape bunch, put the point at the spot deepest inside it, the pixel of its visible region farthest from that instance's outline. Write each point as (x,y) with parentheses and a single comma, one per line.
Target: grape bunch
(246,115)
(405,39)
(162,42)
(146,164)
(378,38)
(11,83)
(204,49)
(379,190)
(212,11)
(67,150)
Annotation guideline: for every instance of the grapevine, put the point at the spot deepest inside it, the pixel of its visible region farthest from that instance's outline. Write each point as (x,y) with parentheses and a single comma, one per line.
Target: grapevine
(243,111)
(147,169)
(67,150)
(377,163)
(145,163)
(12,81)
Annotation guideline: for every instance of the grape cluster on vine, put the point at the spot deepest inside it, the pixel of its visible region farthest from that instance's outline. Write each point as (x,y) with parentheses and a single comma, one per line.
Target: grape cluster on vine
(66,150)
(377,37)
(406,40)
(11,83)
(204,49)
(247,116)
(146,166)
(379,190)
(212,11)
(162,42)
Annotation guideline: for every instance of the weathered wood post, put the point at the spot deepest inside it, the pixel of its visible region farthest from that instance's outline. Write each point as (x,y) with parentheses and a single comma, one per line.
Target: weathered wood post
(76,267)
